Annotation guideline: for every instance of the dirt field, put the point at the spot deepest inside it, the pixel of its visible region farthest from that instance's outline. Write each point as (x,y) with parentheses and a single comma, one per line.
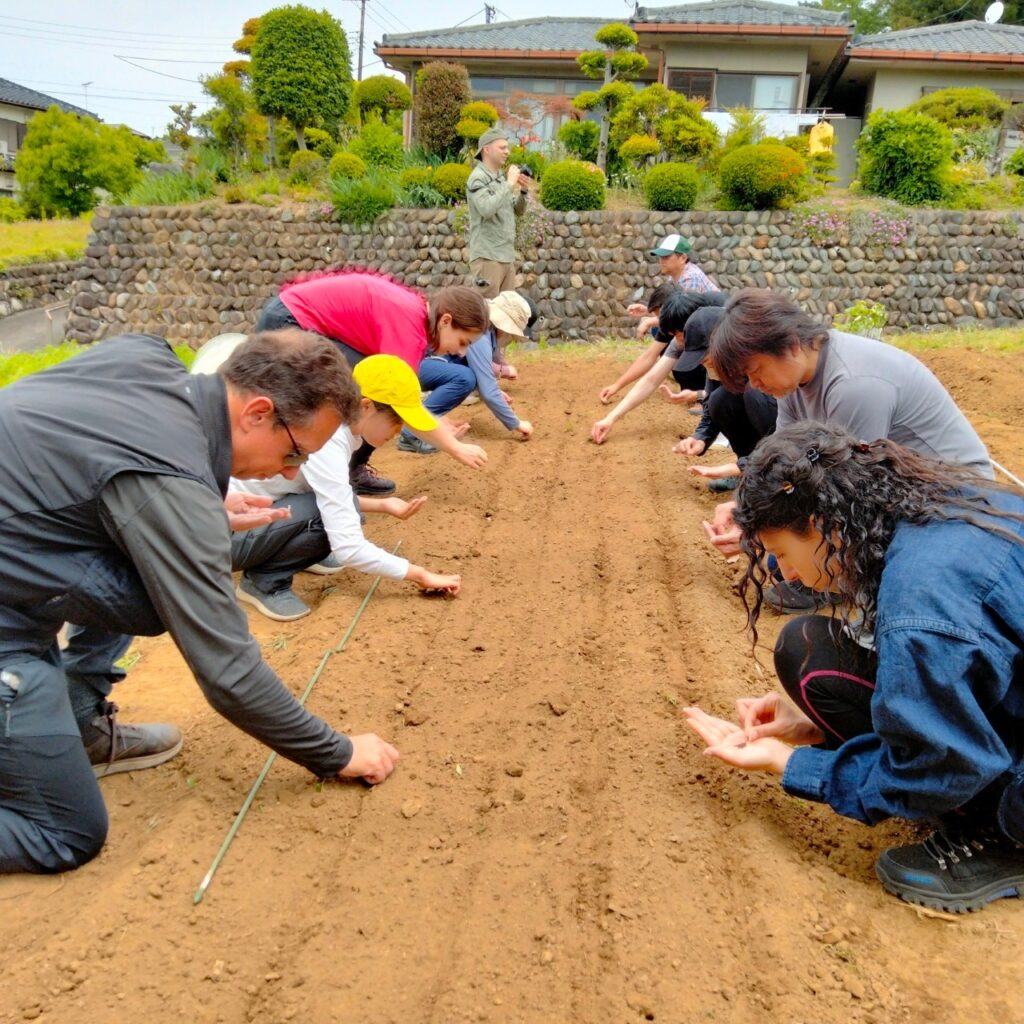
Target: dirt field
(553,849)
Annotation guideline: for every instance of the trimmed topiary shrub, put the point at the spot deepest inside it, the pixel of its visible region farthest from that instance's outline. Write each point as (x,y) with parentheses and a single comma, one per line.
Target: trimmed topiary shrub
(346,165)
(442,90)
(671,186)
(762,177)
(305,167)
(320,142)
(450,181)
(383,94)
(572,185)
(416,177)
(378,145)
(637,149)
(580,138)
(905,156)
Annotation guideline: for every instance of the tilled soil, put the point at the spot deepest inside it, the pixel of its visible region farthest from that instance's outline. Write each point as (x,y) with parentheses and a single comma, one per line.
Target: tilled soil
(553,847)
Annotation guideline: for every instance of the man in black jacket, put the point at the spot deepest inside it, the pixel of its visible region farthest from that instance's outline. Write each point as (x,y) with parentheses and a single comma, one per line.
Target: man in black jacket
(112,517)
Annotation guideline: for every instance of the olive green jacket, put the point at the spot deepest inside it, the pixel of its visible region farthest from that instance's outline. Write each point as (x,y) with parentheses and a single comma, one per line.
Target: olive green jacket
(492,215)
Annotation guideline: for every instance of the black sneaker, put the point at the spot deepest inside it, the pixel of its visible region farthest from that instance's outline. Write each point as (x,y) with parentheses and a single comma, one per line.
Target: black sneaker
(793,598)
(134,747)
(366,481)
(416,445)
(955,871)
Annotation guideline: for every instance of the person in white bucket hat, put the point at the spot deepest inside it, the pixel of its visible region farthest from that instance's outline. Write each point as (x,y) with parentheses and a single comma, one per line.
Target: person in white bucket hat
(510,316)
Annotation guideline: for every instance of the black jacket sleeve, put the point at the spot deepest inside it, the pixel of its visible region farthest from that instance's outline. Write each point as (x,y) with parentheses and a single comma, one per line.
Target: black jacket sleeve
(176,533)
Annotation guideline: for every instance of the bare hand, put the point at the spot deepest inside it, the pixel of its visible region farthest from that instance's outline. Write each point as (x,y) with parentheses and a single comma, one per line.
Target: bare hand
(607,394)
(773,715)
(403,509)
(729,743)
(525,430)
(726,469)
(373,759)
(471,455)
(689,446)
(636,309)
(461,428)
(645,325)
(509,400)
(249,511)
(513,176)
(440,582)
(722,532)
(686,396)
(600,430)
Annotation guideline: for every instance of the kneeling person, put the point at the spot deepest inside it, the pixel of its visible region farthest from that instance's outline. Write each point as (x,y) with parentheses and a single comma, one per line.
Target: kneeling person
(324,531)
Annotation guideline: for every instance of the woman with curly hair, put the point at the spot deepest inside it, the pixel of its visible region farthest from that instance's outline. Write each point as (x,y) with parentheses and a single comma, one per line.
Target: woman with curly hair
(365,314)
(912,706)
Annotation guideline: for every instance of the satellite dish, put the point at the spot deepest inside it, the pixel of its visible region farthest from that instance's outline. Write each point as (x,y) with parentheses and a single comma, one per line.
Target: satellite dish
(994,12)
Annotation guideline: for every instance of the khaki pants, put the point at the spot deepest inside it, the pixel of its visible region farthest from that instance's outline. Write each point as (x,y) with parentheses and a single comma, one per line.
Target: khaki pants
(500,277)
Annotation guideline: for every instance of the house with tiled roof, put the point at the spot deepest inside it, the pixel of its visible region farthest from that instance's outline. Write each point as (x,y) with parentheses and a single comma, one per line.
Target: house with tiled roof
(18,105)
(896,68)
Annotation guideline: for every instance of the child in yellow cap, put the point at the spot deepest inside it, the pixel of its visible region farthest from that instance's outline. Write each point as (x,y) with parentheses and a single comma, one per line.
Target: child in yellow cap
(325,532)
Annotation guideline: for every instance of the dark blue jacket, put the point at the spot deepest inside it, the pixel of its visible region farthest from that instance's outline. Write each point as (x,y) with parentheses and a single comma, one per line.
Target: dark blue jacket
(948,706)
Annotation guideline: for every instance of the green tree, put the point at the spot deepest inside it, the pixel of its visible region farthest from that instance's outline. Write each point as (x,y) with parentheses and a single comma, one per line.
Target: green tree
(869,16)
(676,122)
(233,123)
(300,68)
(383,94)
(910,13)
(442,90)
(614,65)
(179,131)
(66,159)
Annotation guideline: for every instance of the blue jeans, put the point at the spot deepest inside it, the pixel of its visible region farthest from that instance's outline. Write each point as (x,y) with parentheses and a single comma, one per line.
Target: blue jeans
(449,382)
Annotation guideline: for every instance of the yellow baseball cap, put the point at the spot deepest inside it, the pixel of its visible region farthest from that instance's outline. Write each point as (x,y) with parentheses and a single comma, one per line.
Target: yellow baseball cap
(389,380)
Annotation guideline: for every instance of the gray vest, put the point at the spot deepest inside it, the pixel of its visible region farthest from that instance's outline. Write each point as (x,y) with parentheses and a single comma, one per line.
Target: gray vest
(127,405)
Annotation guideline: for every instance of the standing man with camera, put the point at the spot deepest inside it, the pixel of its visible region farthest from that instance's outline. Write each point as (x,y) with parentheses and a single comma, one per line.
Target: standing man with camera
(495,199)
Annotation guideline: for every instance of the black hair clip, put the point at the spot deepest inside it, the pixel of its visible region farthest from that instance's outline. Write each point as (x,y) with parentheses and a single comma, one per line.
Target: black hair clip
(787,487)
(813,455)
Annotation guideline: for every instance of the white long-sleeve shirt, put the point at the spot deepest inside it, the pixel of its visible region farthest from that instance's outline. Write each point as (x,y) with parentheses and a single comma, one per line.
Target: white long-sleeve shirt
(326,474)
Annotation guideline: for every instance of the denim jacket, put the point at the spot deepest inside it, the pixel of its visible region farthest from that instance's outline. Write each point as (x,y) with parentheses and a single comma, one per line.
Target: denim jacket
(948,705)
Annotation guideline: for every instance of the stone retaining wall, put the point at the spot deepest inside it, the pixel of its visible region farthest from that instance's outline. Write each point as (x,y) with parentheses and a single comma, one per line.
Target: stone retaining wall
(40,284)
(192,272)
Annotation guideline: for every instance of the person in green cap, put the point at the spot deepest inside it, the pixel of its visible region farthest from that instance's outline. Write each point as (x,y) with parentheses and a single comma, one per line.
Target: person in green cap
(495,198)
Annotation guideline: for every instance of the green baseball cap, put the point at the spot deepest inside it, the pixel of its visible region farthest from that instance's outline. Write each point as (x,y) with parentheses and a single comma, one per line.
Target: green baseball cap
(672,244)
(489,136)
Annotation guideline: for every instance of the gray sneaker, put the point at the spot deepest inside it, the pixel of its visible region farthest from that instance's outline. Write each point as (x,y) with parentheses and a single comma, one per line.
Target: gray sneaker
(411,443)
(113,747)
(282,605)
(326,566)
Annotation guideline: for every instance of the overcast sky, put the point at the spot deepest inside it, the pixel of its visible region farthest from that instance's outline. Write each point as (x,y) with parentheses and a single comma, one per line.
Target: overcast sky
(140,57)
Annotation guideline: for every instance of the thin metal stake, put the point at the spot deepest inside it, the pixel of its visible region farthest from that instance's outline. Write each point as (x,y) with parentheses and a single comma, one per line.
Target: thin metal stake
(1006,472)
(240,817)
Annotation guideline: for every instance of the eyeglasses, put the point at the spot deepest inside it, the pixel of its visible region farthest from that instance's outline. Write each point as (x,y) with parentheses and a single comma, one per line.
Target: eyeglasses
(296,457)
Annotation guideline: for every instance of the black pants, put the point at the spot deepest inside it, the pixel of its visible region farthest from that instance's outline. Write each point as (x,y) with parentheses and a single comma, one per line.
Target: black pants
(271,555)
(831,678)
(276,316)
(743,419)
(691,380)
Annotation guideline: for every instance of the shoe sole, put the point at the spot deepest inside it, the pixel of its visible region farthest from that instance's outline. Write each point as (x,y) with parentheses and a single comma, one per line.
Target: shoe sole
(137,764)
(260,606)
(323,570)
(962,903)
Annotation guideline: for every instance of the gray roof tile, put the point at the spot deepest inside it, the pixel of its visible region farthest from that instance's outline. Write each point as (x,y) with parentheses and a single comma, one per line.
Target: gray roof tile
(739,12)
(21,96)
(576,34)
(958,37)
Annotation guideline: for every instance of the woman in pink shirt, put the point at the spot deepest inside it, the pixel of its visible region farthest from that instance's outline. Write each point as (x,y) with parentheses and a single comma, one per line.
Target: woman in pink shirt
(365,313)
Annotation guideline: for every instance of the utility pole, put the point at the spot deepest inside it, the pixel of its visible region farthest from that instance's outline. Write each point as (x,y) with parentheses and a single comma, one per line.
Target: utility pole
(362,24)
(489,13)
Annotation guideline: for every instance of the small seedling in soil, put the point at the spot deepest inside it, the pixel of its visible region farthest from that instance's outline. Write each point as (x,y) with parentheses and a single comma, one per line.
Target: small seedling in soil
(278,643)
(129,661)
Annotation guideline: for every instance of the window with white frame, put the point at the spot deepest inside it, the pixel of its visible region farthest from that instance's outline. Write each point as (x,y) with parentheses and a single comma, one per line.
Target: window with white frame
(722,90)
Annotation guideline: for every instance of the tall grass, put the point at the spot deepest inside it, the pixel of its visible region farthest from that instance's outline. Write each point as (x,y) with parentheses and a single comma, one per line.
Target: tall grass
(41,241)
(171,189)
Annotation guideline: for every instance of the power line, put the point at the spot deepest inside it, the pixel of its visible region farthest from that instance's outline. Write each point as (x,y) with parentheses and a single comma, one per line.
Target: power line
(103,30)
(97,44)
(153,71)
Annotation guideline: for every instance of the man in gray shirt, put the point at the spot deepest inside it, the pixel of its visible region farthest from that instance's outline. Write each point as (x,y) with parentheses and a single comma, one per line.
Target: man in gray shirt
(495,199)
(112,517)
